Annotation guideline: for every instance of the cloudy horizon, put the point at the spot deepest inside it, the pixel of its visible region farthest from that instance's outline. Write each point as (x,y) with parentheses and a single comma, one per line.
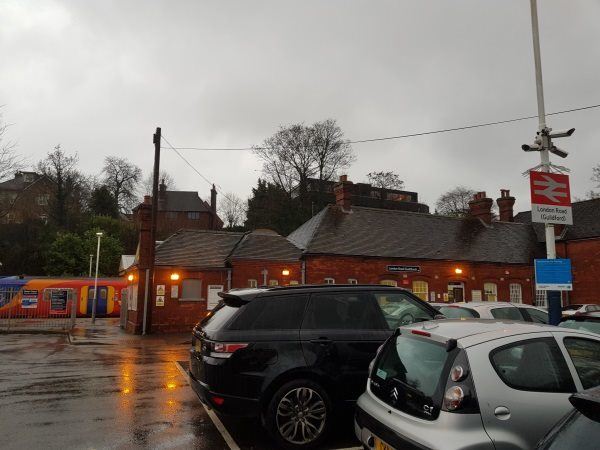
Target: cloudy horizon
(99,77)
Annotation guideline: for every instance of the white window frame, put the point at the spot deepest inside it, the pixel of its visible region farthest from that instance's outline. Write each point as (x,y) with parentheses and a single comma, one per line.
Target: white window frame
(352,281)
(329,280)
(392,283)
(476,295)
(541,299)
(252,283)
(423,294)
(273,282)
(488,292)
(516,292)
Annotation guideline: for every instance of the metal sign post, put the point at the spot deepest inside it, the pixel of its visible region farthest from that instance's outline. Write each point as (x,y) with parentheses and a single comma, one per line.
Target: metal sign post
(543,144)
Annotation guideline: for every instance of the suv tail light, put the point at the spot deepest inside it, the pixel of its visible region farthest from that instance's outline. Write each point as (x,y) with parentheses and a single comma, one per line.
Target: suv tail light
(225,350)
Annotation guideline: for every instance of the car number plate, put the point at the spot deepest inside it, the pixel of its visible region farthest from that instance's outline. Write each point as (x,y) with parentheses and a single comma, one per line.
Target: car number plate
(381,445)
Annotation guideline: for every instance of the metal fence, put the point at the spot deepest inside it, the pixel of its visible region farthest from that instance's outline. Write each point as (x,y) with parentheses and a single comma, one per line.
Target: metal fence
(42,310)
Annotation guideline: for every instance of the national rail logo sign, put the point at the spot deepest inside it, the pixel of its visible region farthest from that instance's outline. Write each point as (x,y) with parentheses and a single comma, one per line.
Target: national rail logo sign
(550,198)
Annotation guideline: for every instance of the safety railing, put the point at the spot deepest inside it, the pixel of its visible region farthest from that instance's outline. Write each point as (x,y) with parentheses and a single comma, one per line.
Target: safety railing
(32,309)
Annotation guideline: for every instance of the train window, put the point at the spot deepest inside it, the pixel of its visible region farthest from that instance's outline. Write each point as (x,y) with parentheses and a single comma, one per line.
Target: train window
(58,299)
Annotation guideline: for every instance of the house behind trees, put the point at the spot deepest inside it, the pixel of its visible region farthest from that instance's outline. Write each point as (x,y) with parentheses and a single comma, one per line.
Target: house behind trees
(25,197)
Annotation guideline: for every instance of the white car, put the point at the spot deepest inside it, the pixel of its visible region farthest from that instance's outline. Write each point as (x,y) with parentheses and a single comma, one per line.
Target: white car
(570,310)
(493,310)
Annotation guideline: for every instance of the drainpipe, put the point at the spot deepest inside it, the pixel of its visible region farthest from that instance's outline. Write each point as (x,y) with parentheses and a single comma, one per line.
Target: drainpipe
(303,272)
(228,279)
(264,273)
(146,290)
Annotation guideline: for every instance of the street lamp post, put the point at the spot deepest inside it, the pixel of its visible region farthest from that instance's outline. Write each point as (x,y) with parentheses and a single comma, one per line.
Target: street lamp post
(95,300)
(90,272)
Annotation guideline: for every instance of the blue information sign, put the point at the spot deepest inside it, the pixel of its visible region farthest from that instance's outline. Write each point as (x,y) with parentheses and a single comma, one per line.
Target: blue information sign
(553,275)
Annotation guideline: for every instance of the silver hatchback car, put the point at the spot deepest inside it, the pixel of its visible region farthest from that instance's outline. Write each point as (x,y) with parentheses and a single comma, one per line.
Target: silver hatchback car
(478,384)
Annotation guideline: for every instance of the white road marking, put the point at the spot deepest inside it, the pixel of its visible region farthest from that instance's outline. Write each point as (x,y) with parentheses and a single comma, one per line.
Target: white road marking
(215,419)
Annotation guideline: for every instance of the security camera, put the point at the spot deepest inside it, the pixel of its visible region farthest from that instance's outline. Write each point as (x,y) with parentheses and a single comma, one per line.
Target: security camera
(558,152)
(531,148)
(562,133)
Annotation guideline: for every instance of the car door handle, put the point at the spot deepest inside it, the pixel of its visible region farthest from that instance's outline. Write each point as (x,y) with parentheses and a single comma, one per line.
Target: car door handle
(321,341)
(502,413)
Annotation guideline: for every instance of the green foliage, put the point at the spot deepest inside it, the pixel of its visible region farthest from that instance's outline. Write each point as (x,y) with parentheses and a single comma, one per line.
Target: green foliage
(272,207)
(24,247)
(103,203)
(66,255)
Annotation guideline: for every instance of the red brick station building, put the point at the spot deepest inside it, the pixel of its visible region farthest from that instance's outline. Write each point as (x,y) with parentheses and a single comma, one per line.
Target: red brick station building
(438,258)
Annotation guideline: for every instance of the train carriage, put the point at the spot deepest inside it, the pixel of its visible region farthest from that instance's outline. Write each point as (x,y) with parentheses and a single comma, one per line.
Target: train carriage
(54,297)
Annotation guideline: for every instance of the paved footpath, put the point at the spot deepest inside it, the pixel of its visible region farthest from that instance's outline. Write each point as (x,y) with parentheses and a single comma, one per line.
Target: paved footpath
(100,389)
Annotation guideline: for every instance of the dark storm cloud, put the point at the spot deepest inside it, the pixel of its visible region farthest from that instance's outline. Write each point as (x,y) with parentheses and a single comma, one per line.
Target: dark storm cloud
(99,76)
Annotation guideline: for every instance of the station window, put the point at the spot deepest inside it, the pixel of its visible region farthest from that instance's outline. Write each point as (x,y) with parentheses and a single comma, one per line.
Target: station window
(193,215)
(516,295)
(540,299)
(329,280)
(393,283)
(420,289)
(352,281)
(191,289)
(252,283)
(490,292)
(273,282)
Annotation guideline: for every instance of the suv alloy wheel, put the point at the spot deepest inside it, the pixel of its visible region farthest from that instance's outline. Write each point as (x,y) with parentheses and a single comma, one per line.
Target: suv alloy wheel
(298,414)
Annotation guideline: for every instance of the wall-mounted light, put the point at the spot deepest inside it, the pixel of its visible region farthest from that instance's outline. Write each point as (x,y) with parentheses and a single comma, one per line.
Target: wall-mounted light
(285,272)
(130,277)
(458,271)
(174,276)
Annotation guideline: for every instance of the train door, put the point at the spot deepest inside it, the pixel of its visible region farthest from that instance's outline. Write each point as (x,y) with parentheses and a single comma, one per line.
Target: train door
(101,303)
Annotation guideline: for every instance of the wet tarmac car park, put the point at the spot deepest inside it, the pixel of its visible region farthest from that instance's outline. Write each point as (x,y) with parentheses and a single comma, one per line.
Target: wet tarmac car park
(101,388)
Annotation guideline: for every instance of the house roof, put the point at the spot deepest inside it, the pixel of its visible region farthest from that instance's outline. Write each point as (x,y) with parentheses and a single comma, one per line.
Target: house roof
(18,183)
(402,234)
(197,249)
(586,221)
(181,201)
(265,244)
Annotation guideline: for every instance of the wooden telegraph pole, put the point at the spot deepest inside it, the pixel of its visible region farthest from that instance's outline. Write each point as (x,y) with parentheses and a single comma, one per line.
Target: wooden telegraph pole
(152,288)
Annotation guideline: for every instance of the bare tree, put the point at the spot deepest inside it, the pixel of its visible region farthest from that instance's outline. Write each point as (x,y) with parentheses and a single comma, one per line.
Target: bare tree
(232,210)
(69,185)
(455,202)
(296,153)
(122,179)
(596,179)
(10,160)
(166,178)
(385,180)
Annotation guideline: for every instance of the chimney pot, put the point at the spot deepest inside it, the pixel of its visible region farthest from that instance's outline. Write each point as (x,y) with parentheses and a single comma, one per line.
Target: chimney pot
(505,205)
(343,178)
(481,207)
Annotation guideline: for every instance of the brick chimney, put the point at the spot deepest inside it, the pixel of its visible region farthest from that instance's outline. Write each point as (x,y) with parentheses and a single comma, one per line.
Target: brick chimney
(145,240)
(505,205)
(481,207)
(343,190)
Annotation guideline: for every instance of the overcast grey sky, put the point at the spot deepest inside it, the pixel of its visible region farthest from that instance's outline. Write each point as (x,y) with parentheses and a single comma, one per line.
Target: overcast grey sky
(99,76)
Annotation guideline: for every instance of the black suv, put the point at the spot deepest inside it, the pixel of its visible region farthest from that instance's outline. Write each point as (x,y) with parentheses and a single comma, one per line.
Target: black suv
(292,355)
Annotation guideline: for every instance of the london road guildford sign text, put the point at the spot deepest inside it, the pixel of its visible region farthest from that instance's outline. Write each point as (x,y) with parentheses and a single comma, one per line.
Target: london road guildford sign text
(550,198)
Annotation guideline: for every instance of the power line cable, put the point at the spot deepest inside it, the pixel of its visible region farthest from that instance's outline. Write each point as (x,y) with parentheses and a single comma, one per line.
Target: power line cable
(403,136)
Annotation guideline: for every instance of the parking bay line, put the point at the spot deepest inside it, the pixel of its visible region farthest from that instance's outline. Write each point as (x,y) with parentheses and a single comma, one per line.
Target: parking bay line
(219,425)
(215,419)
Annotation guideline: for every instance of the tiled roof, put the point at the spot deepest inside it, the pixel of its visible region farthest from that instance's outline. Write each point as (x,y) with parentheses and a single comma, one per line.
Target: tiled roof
(181,201)
(266,244)
(401,234)
(197,249)
(586,221)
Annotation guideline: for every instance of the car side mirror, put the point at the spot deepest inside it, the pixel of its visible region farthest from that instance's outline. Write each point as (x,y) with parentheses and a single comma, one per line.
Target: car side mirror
(439,317)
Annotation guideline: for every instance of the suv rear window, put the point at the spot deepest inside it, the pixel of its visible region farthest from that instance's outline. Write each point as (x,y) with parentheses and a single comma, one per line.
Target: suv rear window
(218,317)
(282,312)
(507,313)
(410,375)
